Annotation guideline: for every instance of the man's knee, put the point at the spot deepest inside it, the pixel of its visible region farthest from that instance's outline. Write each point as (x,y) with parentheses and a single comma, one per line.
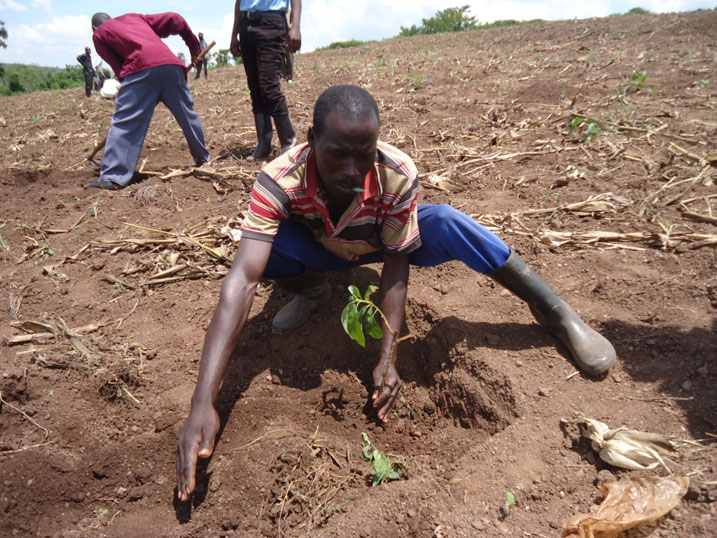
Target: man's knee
(442,218)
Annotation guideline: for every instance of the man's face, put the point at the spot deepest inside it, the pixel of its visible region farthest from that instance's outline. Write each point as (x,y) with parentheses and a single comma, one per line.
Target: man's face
(345,153)
(87,50)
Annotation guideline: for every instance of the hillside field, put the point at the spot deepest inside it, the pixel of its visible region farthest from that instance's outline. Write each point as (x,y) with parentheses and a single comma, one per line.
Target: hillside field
(588,145)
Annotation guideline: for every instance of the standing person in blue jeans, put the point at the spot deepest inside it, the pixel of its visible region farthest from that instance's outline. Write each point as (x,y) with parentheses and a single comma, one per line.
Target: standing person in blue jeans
(261,35)
(346,199)
(150,72)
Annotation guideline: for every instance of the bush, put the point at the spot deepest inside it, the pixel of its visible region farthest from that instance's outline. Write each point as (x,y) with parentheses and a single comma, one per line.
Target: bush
(638,11)
(22,78)
(344,44)
(452,19)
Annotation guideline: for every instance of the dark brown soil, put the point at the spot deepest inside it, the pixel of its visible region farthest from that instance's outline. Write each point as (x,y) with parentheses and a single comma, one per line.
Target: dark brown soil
(490,113)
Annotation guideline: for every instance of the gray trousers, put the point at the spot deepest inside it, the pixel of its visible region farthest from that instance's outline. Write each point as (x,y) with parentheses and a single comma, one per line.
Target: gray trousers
(135,104)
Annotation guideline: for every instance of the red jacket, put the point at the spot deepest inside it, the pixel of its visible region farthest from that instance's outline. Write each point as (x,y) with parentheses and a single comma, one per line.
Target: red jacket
(131,43)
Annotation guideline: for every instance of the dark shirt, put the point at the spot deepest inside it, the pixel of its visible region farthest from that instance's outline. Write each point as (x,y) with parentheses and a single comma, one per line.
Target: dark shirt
(86,62)
(132,43)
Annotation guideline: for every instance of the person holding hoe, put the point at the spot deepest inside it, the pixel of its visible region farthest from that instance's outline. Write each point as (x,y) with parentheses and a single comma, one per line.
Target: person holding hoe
(150,72)
(346,199)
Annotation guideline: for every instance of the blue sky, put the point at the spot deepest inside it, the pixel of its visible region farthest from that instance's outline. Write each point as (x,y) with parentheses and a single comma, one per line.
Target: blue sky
(54,32)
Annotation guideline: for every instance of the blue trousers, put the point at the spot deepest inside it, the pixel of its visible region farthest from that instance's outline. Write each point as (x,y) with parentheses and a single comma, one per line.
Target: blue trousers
(446,235)
(135,104)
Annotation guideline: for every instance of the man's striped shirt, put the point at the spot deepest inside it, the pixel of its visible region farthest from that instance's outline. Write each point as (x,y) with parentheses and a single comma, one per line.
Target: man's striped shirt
(382,217)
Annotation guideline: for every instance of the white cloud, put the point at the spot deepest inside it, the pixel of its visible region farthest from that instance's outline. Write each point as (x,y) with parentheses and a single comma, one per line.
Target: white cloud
(43,4)
(326,21)
(11,4)
(55,43)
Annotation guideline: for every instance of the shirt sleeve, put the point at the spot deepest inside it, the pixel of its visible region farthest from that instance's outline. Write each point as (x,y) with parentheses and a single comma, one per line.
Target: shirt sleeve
(268,206)
(399,229)
(166,24)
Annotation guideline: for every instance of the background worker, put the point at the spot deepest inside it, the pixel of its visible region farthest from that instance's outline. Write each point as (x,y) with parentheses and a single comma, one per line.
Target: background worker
(150,72)
(261,36)
(205,62)
(87,70)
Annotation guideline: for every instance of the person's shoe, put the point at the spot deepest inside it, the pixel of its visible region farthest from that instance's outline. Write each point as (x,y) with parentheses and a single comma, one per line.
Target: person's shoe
(592,352)
(311,292)
(264,134)
(104,184)
(287,135)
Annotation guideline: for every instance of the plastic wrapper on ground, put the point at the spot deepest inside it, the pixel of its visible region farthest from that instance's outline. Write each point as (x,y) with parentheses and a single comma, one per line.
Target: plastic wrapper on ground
(628,503)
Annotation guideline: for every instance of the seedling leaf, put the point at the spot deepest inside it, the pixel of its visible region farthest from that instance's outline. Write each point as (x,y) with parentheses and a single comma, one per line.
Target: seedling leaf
(353,290)
(370,291)
(352,324)
(509,501)
(372,327)
(381,465)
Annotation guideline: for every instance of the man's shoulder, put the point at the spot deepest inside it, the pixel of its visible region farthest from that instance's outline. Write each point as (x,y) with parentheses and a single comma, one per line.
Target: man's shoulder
(289,168)
(393,159)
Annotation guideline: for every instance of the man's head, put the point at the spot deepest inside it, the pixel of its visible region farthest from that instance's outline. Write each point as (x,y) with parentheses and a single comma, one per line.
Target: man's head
(343,137)
(98,19)
(201,35)
(87,50)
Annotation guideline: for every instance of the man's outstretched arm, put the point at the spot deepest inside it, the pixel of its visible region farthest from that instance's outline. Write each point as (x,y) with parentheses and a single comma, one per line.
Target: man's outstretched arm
(392,291)
(235,300)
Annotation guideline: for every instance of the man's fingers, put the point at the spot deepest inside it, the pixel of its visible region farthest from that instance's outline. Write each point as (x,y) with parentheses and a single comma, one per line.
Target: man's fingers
(186,468)
(384,398)
(206,447)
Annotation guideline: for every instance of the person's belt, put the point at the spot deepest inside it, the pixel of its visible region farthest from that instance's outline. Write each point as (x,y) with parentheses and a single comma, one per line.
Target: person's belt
(258,15)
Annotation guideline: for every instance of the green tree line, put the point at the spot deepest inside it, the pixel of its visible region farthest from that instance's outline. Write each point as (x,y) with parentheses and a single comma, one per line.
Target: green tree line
(22,78)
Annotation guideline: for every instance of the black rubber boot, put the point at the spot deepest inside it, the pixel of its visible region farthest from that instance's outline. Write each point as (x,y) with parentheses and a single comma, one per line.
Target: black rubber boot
(264,133)
(287,135)
(311,291)
(592,352)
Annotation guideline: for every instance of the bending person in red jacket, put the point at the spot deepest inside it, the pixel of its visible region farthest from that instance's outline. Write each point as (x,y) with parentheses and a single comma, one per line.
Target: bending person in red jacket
(150,72)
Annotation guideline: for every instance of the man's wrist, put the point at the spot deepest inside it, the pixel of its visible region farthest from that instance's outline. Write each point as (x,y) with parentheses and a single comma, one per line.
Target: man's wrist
(202,398)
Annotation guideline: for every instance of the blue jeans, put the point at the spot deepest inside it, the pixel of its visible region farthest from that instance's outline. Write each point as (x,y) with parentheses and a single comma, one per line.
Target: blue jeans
(446,234)
(135,103)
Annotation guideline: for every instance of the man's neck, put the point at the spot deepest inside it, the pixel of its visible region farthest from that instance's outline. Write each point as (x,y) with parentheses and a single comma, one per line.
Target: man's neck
(338,207)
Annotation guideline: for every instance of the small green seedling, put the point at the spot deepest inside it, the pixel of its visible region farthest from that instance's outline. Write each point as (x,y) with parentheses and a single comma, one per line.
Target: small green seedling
(414,83)
(381,465)
(593,128)
(509,501)
(359,315)
(637,81)
(702,83)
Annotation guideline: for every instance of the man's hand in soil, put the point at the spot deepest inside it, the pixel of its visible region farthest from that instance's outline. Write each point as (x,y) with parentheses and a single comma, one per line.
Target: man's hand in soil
(394,283)
(196,440)
(235,300)
(385,389)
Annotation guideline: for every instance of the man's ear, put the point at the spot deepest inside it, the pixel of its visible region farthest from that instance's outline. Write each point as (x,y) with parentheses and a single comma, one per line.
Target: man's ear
(310,137)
